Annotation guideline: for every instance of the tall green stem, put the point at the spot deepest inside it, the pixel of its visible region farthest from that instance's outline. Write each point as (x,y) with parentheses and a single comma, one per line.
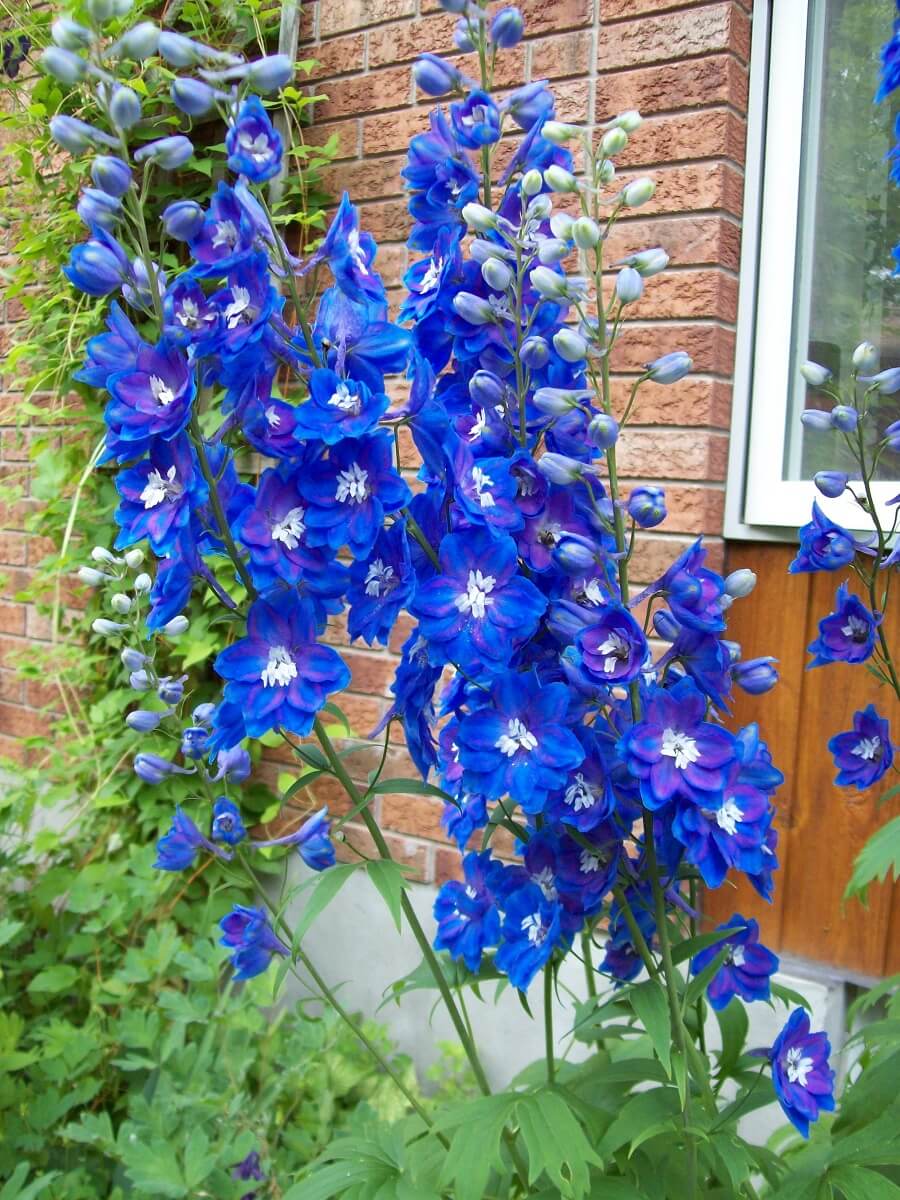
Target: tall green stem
(548,1023)
(216,504)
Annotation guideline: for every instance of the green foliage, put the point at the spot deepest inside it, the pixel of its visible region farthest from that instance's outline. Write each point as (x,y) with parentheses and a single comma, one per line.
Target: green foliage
(879,856)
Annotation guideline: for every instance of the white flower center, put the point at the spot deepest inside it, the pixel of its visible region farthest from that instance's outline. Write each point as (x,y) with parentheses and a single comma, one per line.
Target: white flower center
(738,956)
(380,578)
(280,669)
(856,629)
(476,598)
(867,748)
(588,862)
(189,314)
(579,795)
(796,1066)
(478,426)
(728,815)
(616,651)
(679,746)
(272,416)
(532,925)
(470,891)
(431,276)
(257,148)
(157,489)
(516,738)
(289,529)
(239,308)
(545,881)
(499,306)
(352,485)
(356,251)
(344,399)
(590,593)
(482,482)
(226,234)
(162,393)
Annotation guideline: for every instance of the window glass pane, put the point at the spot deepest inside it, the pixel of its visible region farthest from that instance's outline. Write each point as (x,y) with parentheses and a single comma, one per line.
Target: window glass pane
(849,222)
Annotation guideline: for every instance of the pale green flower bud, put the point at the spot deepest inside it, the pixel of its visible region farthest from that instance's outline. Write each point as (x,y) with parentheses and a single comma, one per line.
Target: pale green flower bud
(865,357)
(585,233)
(477,217)
(613,142)
(638,192)
(120,603)
(558,132)
(532,182)
(558,179)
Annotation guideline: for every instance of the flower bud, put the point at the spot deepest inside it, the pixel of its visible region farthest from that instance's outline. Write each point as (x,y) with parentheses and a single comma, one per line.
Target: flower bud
(892,436)
(143,583)
(740,583)
(120,603)
(844,417)
(92,577)
(69,34)
(613,142)
(192,96)
(816,420)
(549,284)
(574,556)
(433,76)
(647,506)
(555,402)
(479,218)
(561,226)
(453,6)
(638,192)
(139,42)
(756,675)
(559,468)
(629,285)
(630,120)
(203,714)
(181,51)
(570,345)
(733,649)
(63,65)
(814,373)
(100,10)
(603,431)
(539,208)
(101,554)
(144,720)
(182,219)
(176,627)
(831,483)
(168,153)
(107,628)
(74,135)
(648,262)
(532,182)
(507,28)
(124,108)
(496,274)
(140,681)
(534,352)
(558,179)
(234,765)
(486,389)
(886,383)
(170,690)
(472,308)
(111,175)
(670,368)
(865,357)
(97,208)
(133,558)
(132,659)
(121,7)
(585,233)
(606,172)
(194,740)
(151,768)
(552,251)
(558,132)
(666,625)
(270,74)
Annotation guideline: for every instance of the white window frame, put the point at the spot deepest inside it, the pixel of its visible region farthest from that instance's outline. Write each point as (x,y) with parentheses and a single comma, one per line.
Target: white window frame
(759,503)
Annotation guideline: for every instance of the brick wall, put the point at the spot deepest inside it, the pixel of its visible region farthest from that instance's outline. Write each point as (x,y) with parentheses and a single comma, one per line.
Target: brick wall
(684,66)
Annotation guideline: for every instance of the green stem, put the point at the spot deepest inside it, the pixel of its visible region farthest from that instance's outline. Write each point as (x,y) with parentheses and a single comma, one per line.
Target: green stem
(588,959)
(548,1023)
(216,503)
(416,530)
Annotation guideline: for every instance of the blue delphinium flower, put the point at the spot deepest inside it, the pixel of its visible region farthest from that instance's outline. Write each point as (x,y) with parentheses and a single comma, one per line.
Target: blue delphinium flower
(622,960)
(442,181)
(381,586)
(227,825)
(178,849)
(486,490)
(462,819)
(748,966)
(99,266)
(479,609)
(613,647)
(225,236)
(350,255)
(189,315)
(338,408)
(278,674)
(467,918)
(824,545)
(313,841)
(864,753)
(476,120)
(253,143)
(847,634)
(520,743)
(151,398)
(531,931)
(159,495)
(588,797)
(675,752)
(801,1074)
(248,1168)
(350,492)
(726,830)
(247,934)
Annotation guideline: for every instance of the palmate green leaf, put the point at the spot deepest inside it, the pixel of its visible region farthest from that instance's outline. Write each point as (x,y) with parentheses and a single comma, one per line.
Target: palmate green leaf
(638,1113)
(789,997)
(555,1142)
(652,1010)
(16,1187)
(858,1183)
(880,855)
(152,1167)
(389,878)
(475,1147)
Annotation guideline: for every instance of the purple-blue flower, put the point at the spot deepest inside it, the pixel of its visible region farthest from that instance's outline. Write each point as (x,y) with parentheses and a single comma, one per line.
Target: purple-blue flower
(613,648)
(748,966)
(486,490)
(313,841)
(847,634)
(824,545)
(247,934)
(151,398)
(801,1074)
(278,675)
(476,120)
(381,586)
(727,830)
(253,143)
(864,753)
(338,408)
(350,255)
(530,932)
(479,609)
(467,918)
(159,495)
(178,849)
(227,825)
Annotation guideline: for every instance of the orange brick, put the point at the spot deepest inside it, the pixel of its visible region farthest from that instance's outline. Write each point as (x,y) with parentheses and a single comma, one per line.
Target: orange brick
(21,722)
(557,57)
(357,94)
(688,240)
(711,346)
(339,56)
(369,179)
(355,14)
(676,454)
(401,43)
(419,815)
(13,549)
(12,619)
(702,29)
(11,687)
(694,400)
(703,293)
(541,17)
(711,133)
(697,83)
(388,134)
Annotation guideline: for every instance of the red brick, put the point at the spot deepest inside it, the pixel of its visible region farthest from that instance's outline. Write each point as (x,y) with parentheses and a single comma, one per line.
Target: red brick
(383,135)
(355,14)
(372,673)
(42,695)
(693,509)
(370,179)
(710,346)
(344,133)
(419,815)
(447,865)
(653,554)
(391,88)
(674,294)
(702,29)
(16,721)
(711,133)
(541,17)
(556,57)
(13,549)
(339,56)
(402,43)
(694,400)
(616,10)
(688,240)
(11,748)
(697,83)
(12,619)
(12,688)
(676,454)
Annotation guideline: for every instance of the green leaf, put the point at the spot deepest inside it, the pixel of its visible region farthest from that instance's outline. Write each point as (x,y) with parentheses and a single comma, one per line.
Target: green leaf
(880,855)
(652,1010)
(327,886)
(637,1114)
(555,1142)
(390,881)
(858,1183)
(475,1147)
(698,985)
(691,946)
(54,979)
(410,787)
(733,1023)
(152,1168)
(15,1189)
(789,997)
(9,929)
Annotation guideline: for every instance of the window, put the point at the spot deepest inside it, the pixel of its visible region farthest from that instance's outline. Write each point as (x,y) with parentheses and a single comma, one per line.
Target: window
(818,278)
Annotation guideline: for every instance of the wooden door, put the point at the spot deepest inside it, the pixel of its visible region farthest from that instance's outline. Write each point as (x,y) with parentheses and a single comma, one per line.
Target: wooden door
(821,827)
